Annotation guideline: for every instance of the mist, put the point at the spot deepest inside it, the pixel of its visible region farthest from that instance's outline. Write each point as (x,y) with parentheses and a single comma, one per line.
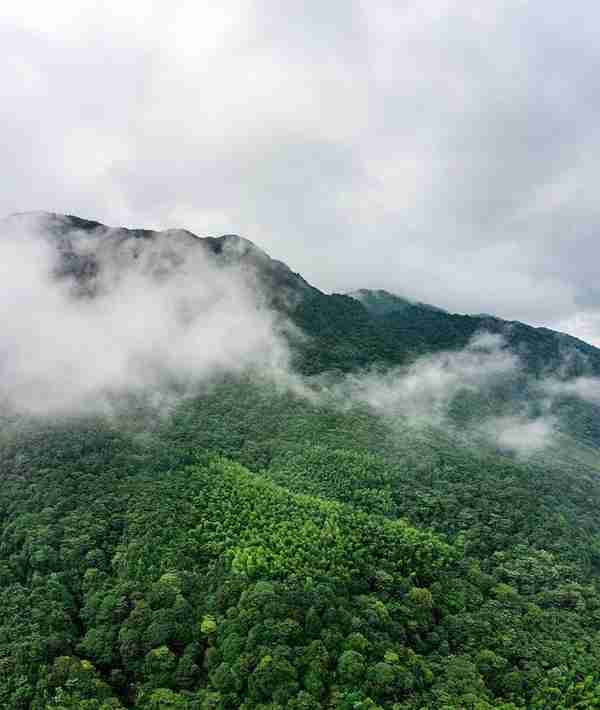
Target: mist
(520,434)
(159,316)
(424,393)
(424,390)
(156,312)
(585,388)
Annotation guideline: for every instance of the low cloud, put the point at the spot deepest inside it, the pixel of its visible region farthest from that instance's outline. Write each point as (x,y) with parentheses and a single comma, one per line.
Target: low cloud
(163,312)
(585,388)
(423,394)
(520,434)
(424,390)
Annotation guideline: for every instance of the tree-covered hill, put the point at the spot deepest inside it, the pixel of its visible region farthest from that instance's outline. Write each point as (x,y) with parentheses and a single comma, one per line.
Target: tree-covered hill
(272,544)
(347,331)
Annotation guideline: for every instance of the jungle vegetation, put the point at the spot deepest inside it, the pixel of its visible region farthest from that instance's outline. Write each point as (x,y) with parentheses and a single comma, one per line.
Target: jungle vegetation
(255,549)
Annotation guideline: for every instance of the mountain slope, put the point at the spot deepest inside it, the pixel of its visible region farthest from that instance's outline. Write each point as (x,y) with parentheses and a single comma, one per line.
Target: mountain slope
(348,331)
(267,544)
(141,566)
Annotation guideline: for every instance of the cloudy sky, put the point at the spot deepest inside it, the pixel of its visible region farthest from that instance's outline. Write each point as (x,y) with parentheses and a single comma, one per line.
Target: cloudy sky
(444,151)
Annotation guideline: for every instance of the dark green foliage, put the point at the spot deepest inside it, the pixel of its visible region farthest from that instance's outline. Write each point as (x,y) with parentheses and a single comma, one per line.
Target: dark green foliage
(358,566)
(255,550)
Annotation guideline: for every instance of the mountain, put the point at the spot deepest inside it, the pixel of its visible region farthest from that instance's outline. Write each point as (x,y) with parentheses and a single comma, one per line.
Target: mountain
(346,331)
(124,245)
(407,518)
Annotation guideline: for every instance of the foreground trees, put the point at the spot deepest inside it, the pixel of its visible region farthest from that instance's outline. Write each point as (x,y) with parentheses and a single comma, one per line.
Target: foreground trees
(350,573)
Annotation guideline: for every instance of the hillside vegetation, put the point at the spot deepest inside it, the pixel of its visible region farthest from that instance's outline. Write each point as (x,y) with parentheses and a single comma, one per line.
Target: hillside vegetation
(258,548)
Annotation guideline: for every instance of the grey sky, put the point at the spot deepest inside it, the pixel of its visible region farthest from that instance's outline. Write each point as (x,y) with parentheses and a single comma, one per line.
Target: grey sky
(444,151)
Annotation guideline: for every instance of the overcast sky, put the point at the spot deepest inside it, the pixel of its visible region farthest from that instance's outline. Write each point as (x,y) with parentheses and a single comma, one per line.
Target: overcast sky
(445,151)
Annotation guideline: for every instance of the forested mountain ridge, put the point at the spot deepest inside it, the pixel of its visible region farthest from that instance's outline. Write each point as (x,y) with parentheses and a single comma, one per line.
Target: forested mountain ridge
(309,542)
(67,231)
(348,331)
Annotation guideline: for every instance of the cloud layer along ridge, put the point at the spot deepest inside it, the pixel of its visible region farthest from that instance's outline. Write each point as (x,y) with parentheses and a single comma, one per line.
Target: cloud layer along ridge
(163,312)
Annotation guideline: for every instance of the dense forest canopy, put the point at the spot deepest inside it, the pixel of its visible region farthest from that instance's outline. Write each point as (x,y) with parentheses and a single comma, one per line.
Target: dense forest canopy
(401,510)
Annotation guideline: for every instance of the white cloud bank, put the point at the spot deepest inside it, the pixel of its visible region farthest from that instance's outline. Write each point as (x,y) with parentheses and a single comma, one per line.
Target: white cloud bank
(163,312)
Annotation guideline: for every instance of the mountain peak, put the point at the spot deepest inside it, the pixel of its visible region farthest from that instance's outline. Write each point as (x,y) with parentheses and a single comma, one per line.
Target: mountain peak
(281,283)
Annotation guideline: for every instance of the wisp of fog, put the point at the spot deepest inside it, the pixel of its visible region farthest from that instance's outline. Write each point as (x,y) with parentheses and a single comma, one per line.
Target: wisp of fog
(422,394)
